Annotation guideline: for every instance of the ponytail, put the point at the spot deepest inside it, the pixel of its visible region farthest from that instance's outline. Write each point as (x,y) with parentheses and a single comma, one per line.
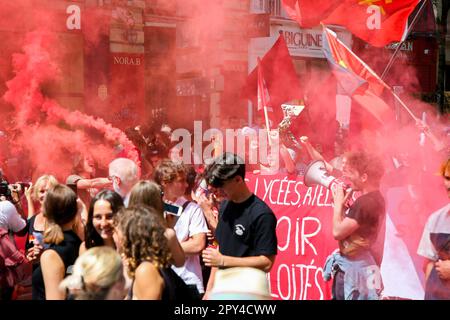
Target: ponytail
(60,208)
(53,233)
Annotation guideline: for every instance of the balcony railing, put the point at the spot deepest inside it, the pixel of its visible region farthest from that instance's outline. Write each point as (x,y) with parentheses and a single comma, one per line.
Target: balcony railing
(273,7)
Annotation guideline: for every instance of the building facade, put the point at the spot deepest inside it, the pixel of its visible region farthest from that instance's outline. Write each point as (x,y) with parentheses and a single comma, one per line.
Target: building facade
(167,61)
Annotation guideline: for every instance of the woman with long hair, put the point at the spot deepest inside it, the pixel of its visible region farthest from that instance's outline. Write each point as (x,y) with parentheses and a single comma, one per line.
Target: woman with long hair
(36,223)
(149,193)
(141,240)
(99,226)
(60,210)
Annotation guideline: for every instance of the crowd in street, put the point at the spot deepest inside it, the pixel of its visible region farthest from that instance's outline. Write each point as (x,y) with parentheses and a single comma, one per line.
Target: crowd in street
(172,231)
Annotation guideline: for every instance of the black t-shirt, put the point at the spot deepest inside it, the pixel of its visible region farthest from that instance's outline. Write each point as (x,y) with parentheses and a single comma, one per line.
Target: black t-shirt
(246,229)
(369,210)
(67,250)
(29,243)
(175,289)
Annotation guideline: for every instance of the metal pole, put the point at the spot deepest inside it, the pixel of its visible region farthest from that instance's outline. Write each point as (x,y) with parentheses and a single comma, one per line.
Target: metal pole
(404,106)
(394,55)
(267,126)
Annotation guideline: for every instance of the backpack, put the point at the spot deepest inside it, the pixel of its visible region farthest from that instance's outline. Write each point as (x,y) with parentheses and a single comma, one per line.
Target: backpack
(14,268)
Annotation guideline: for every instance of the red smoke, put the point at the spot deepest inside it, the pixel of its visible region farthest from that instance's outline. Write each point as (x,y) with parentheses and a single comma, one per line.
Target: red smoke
(49,133)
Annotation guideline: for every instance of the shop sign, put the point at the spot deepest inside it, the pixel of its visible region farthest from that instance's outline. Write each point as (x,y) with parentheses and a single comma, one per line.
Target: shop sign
(258,25)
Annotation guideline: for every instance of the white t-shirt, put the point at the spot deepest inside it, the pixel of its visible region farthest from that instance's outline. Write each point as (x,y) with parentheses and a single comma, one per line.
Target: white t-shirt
(191,222)
(9,218)
(438,223)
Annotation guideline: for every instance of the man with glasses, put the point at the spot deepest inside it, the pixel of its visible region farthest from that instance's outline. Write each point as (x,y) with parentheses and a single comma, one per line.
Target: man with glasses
(246,228)
(124,174)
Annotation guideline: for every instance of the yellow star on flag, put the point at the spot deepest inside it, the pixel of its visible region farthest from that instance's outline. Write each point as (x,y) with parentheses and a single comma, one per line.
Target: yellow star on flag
(342,64)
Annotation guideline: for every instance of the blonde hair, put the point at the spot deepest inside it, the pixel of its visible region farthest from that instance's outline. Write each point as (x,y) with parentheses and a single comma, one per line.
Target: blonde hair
(53,233)
(95,272)
(46,178)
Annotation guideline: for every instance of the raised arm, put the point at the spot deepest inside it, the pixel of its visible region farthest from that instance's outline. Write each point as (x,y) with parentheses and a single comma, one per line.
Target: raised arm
(98,183)
(30,204)
(313,153)
(288,161)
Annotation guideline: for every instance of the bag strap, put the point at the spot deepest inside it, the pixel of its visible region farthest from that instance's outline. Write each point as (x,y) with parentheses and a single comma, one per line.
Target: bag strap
(184,206)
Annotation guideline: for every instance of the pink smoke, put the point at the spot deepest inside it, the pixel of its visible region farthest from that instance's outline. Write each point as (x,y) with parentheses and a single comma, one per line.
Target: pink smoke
(37,117)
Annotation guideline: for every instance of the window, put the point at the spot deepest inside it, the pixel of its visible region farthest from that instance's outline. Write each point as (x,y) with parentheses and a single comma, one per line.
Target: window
(274,7)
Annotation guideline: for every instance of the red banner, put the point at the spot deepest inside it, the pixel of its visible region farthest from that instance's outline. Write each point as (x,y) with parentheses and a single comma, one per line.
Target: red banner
(304,233)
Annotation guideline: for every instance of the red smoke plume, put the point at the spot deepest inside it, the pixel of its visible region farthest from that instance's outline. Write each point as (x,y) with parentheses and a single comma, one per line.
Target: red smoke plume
(48,132)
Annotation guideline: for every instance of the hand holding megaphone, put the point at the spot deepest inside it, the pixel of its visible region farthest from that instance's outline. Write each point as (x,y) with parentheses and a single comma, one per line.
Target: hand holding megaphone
(341,196)
(316,173)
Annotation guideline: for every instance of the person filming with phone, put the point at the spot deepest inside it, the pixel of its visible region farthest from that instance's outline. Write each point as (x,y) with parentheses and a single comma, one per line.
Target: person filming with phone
(190,226)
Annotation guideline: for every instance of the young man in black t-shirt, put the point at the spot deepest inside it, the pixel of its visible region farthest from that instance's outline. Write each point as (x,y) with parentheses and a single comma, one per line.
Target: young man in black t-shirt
(246,227)
(359,228)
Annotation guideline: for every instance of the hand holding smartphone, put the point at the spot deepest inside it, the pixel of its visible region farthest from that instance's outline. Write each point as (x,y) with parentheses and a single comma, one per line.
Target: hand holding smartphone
(172,209)
(39,240)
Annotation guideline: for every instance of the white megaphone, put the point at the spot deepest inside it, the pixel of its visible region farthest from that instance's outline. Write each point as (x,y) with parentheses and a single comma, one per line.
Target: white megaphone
(202,189)
(317,174)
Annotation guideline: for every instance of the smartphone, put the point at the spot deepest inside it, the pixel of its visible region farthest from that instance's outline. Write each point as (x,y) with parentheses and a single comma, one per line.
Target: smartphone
(39,239)
(173,209)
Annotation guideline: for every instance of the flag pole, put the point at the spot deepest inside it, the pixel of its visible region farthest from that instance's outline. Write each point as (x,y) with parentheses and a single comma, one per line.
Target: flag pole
(266,115)
(267,125)
(385,85)
(394,55)
(404,105)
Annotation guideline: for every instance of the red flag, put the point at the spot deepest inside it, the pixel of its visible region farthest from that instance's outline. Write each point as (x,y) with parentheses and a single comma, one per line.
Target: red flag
(356,78)
(263,93)
(309,13)
(378,22)
(281,80)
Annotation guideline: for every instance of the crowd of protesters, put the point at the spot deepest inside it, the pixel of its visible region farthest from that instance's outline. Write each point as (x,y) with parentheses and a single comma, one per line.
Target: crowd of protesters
(113,237)
(174,231)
